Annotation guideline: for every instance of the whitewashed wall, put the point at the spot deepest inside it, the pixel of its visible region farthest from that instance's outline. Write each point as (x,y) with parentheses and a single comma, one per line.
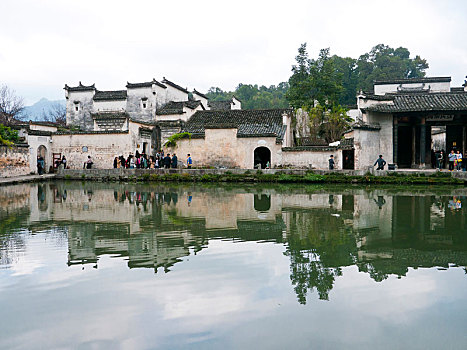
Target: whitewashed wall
(107,106)
(34,142)
(434,87)
(221,147)
(82,117)
(367,148)
(173,94)
(134,103)
(318,159)
(102,148)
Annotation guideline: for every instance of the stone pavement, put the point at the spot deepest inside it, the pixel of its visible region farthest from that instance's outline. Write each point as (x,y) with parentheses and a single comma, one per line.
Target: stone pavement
(25,178)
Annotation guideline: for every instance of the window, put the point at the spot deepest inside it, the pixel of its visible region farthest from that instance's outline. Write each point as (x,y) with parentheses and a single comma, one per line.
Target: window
(144,102)
(76,108)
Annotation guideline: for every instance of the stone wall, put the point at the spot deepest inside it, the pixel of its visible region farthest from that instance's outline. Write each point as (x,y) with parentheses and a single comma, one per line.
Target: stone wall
(367,148)
(102,147)
(222,147)
(302,158)
(14,161)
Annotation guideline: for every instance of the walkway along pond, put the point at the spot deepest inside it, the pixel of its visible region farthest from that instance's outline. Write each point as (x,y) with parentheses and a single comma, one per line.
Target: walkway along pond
(267,175)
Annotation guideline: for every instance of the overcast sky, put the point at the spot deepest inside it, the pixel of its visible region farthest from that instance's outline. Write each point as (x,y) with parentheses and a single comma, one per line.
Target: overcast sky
(199,44)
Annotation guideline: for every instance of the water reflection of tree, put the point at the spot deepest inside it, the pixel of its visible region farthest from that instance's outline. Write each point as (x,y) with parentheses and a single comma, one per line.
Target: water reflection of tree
(318,245)
(12,241)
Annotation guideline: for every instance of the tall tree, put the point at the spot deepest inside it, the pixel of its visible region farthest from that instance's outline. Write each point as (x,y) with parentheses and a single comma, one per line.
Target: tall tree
(301,91)
(384,62)
(11,105)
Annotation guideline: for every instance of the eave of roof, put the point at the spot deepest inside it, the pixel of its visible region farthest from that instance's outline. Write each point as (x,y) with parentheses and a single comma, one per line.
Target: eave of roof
(117,95)
(80,87)
(250,123)
(168,82)
(91,132)
(109,115)
(145,84)
(442,101)
(413,80)
(196,92)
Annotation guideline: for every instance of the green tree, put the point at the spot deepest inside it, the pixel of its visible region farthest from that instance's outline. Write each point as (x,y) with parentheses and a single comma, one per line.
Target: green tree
(384,62)
(314,80)
(8,136)
(301,90)
(254,96)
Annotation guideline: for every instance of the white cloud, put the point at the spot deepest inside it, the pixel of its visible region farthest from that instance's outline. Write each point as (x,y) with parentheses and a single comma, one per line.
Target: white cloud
(210,43)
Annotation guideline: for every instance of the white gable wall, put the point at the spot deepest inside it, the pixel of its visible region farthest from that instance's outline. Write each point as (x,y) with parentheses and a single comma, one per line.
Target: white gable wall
(109,106)
(383,89)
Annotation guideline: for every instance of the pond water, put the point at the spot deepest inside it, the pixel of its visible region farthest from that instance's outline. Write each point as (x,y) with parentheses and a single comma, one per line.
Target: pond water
(136,266)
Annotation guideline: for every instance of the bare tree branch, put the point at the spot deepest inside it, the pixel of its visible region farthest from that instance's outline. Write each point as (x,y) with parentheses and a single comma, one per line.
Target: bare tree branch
(56,114)
(11,105)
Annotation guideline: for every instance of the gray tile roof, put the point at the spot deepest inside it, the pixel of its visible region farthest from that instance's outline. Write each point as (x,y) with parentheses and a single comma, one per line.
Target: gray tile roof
(109,115)
(447,101)
(413,80)
(117,95)
(80,87)
(168,82)
(145,84)
(220,105)
(177,107)
(250,123)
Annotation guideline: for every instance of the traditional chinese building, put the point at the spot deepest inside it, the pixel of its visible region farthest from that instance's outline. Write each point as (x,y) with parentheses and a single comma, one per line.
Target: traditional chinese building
(404,119)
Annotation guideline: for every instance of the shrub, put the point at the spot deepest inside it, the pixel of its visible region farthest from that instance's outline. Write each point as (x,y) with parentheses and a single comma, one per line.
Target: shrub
(172,140)
(8,136)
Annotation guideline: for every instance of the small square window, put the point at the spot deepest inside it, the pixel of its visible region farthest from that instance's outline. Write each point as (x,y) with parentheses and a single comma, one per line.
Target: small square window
(144,105)
(76,108)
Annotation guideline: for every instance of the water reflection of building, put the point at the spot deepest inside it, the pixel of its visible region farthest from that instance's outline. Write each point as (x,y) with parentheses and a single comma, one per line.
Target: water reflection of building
(381,231)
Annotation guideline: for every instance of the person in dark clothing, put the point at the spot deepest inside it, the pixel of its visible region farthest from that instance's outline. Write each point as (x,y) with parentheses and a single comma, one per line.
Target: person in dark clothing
(167,161)
(381,163)
(331,162)
(89,163)
(174,161)
(439,160)
(115,163)
(40,165)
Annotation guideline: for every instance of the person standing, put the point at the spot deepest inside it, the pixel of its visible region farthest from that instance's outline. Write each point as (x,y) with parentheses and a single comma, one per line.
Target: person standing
(174,161)
(452,159)
(458,161)
(115,163)
(64,162)
(331,162)
(132,162)
(381,163)
(167,161)
(189,161)
(40,165)
(439,160)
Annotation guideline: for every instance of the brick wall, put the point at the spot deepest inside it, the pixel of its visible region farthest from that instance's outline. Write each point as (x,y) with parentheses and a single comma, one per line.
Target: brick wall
(14,161)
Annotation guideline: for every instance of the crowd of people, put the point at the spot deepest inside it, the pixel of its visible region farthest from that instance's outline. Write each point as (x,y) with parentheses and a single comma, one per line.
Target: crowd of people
(143,161)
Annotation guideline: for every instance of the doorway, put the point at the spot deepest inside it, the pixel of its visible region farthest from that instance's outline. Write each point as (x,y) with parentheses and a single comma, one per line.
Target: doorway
(42,152)
(262,158)
(404,147)
(348,156)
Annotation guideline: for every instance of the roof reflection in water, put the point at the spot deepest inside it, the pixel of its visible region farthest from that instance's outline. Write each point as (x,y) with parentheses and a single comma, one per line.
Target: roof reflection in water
(382,231)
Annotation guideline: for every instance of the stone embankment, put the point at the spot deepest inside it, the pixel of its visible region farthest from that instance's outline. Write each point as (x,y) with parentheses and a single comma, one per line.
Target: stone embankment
(266,175)
(25,178)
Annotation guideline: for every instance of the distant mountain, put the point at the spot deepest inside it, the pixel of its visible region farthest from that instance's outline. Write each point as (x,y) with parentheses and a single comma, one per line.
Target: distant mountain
(41,107)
